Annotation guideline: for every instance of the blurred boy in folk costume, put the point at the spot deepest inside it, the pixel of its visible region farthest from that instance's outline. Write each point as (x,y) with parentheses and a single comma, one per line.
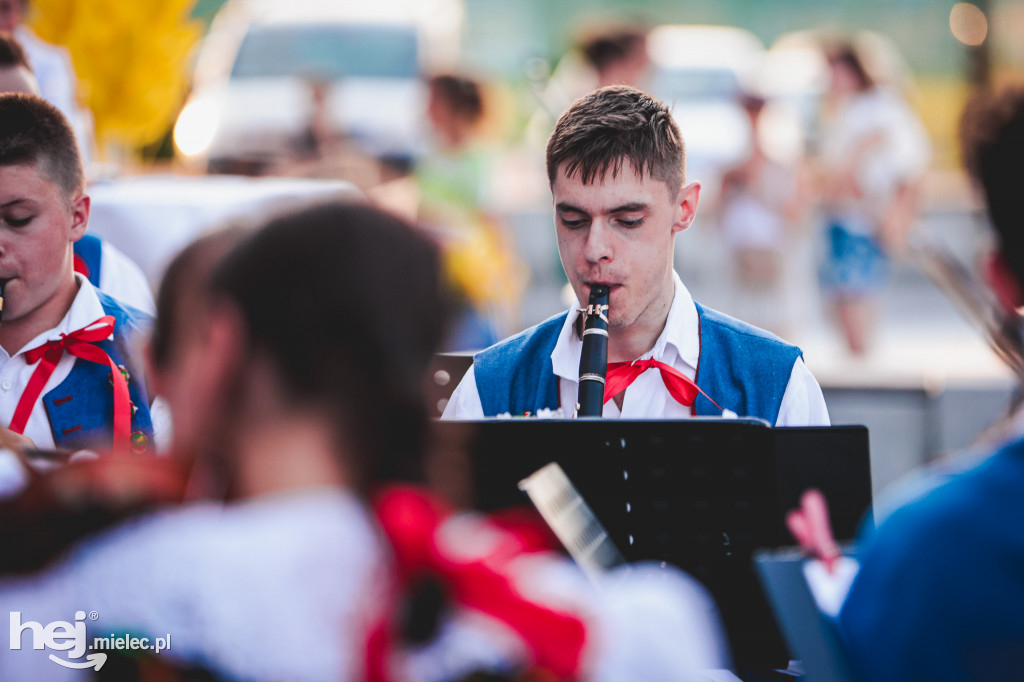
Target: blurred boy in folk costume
(70,374)
(455,181)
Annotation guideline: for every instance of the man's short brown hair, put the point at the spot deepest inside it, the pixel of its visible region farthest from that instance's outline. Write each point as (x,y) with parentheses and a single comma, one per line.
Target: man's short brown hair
(34,132)
(613,125)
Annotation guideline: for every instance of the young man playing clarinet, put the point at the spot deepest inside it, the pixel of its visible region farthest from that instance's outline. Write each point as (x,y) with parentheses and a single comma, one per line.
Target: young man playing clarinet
(616,165)
(71,371)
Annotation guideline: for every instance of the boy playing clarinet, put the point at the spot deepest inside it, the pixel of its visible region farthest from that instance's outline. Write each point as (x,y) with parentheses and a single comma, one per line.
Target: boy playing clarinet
(616,166)
(70,373)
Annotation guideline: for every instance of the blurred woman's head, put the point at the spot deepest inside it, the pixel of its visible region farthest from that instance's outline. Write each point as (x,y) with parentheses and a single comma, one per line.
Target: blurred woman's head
(848,74)
(12,14)
(15,73)
(179,331)
(455,107)
(330,313)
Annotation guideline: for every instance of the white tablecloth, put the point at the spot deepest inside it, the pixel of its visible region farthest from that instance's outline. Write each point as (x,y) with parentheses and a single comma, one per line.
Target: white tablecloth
(152,217)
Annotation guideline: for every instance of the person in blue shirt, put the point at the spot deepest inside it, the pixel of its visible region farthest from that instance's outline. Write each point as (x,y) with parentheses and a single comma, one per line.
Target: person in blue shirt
(940,593)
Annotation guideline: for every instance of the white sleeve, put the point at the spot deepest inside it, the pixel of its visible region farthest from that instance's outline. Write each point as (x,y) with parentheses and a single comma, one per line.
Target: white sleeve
(643,622)
(123,279)
(465,400)
(86,583)
(187,575)
(163,425)
(802,404)
(658,624)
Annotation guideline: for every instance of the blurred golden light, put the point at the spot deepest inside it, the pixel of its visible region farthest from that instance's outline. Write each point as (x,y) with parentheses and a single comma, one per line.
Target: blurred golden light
(194,131)
(968,23)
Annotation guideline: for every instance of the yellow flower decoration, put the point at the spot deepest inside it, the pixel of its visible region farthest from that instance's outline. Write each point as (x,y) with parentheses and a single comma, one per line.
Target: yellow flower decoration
(131,59)
(483,266)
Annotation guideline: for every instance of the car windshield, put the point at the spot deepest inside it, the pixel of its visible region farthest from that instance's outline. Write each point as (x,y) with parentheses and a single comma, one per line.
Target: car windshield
(327,52)
(700,84)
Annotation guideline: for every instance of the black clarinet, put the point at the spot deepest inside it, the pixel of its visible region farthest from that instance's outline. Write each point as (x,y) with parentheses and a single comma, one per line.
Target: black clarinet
(594,358)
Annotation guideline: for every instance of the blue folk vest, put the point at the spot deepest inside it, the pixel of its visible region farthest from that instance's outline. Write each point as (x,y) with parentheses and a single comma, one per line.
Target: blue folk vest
(81,408)
(742,368)
(89,258)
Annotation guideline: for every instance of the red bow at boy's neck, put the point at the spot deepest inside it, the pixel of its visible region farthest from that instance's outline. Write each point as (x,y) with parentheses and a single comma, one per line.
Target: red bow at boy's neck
(622,374)
(79,343)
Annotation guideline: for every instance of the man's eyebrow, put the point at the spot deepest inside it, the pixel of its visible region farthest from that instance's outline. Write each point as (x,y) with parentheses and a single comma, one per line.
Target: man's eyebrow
(563,207)
(633,206)
(13,202)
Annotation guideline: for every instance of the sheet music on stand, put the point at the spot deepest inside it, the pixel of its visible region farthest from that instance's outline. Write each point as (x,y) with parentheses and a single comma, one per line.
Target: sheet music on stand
(568,515)
(702,494)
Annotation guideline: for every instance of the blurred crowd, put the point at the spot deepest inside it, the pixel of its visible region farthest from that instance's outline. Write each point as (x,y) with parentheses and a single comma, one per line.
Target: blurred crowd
(828,156)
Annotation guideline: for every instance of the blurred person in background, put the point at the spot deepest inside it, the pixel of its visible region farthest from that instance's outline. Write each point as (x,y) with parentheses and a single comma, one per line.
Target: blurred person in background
(619,57)
(873,155)
(760,205)
(15,73)
(322,149)
(71,369)
(610,55)
(454,179)
(296,399)
(616,166)
(103,264)
(319,138)
(940,592)
(54,73)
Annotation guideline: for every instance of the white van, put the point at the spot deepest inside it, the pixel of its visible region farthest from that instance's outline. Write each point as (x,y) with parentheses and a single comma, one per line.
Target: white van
(252,98)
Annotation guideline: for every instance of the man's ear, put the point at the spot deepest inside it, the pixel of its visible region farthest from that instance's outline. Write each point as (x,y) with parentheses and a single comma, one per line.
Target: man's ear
(1004,282)
(224,348)
(80,207)
(686,202)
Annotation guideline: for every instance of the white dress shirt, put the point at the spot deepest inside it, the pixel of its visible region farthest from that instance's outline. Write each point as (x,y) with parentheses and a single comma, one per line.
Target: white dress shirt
(15,372)
(647,398)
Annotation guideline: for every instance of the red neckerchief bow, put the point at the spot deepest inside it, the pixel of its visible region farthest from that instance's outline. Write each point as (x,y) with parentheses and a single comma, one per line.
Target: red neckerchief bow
(80,344)
(622,374)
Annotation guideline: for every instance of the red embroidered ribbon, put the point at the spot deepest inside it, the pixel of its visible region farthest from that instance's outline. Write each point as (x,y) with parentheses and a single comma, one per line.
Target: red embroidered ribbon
(80,344)
(622,374)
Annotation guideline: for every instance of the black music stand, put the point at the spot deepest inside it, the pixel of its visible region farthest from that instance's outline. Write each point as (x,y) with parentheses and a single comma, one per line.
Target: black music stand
(702,494)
